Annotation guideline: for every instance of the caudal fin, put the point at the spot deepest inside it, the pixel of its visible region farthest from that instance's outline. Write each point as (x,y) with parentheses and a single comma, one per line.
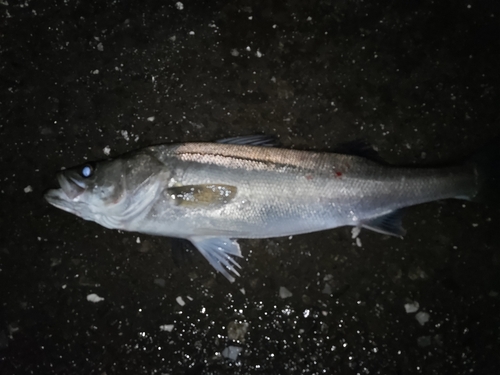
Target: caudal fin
(487,170)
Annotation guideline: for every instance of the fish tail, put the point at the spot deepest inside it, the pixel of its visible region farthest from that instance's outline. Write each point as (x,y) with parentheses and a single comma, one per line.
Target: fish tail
(486,166)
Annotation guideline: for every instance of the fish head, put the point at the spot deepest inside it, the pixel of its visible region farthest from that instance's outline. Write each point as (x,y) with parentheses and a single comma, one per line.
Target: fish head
(90,190)
(109,192)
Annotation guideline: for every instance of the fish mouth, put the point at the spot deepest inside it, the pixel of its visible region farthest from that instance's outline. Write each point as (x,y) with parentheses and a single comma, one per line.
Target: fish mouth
(70,190)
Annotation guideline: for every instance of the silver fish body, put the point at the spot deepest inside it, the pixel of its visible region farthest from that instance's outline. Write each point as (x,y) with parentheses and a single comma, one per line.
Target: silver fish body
(213,193)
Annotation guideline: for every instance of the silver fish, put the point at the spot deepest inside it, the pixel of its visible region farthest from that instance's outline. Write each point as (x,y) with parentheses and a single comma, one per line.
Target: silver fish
(214,193)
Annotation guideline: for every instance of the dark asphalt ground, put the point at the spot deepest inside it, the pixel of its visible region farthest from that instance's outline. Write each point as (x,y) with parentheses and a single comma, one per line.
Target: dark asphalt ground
(418,80)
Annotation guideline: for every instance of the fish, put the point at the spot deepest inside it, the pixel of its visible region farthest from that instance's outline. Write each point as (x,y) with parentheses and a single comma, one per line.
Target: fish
(214,193)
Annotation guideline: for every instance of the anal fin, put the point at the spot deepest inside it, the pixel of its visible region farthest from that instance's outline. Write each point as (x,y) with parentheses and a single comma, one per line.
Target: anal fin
(219,251)
(389,223)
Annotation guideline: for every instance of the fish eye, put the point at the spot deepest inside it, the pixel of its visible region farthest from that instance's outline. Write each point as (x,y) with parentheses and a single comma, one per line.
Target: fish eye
(87,170)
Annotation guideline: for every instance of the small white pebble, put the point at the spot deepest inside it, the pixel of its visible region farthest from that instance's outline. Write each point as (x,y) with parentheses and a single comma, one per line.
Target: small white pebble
(124,134)
(100,47)
(285,293)
(411,307)
(28,189)
(179,5)
(358,242)
(355,231)
(422,317)
(234,52)
(242,290)
(191,33)
(231,352)
(151,119)
(180,301)
(167,327)
(94,298)
(258,53)
(327,289)
(106,150)
(138,240)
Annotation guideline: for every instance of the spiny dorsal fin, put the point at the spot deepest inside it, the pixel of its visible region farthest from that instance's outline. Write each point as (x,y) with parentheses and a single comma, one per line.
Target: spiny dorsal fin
(251,140)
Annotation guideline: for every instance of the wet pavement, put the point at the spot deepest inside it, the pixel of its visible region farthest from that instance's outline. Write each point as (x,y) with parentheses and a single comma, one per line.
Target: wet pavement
(81,80)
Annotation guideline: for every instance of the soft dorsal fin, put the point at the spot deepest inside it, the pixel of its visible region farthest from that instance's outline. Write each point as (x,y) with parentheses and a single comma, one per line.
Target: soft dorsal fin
(361,148)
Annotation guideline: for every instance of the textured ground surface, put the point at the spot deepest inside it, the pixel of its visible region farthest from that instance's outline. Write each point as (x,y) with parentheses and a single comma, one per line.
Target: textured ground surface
(421,83)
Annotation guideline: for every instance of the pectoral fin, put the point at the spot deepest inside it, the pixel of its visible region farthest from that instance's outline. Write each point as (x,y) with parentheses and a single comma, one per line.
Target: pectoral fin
(389,223)
(201,195)
(219,252)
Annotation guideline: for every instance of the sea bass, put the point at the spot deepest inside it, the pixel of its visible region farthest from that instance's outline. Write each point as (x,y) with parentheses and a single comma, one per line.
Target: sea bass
(214,193)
